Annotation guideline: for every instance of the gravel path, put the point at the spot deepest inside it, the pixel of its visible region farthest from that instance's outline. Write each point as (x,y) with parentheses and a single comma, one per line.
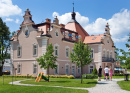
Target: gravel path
(103,86)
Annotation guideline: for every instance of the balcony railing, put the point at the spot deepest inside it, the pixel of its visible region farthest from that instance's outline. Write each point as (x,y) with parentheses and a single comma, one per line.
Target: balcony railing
(105,59)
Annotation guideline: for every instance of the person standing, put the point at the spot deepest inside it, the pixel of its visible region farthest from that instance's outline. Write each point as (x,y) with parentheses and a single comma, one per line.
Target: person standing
(106,70)
(110,73)
(99,74)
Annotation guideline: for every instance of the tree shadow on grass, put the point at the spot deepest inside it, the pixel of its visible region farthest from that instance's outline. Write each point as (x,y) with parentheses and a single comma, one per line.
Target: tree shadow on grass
(91,83)
(102,83)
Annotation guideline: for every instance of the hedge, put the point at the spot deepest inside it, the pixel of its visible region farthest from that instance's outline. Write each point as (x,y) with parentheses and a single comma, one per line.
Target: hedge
(118,74)
(34,76)
(89,76)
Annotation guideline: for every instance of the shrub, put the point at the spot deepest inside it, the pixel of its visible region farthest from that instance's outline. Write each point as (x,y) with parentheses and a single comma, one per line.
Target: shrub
(34,76)
(94,71)
(118,74)
(89,76)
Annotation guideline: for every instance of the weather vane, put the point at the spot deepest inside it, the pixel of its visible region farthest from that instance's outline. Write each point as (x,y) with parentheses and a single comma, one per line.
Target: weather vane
(73,5)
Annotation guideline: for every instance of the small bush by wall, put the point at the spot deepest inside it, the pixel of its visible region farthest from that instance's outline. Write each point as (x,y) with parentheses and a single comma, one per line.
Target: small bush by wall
(89,76)
(118,74)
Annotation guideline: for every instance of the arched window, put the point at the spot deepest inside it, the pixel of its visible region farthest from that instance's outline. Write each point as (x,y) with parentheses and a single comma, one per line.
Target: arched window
(26,33)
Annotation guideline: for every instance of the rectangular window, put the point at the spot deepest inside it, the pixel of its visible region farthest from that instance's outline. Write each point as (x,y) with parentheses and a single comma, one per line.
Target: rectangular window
(107,54)
(34,68)
(56,50)
(56,70)
(110,54)
(67,69)
(91,54)
(19,51)
(104,53)
(79,70)
(19,68)
(91,69)
(67,52)
(34,50)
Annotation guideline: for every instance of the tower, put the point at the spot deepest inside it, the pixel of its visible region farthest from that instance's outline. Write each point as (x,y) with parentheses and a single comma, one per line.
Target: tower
(27,18)
(107,29)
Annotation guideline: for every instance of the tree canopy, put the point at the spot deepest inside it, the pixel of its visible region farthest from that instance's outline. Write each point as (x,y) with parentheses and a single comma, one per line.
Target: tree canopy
(81,55)
(48,59)
(4,43)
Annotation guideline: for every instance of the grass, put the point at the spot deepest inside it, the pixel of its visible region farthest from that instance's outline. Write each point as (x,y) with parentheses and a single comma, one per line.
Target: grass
(124,85)
(114,77)
(128,70)
(7,88)
(64,82)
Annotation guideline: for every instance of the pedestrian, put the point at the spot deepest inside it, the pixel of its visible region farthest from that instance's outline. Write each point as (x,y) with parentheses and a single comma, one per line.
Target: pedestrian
(110,73)
(99,74)
(106,72)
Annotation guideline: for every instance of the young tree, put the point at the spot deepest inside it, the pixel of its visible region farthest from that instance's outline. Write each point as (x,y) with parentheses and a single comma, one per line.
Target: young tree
(94,71)
(48,59)
(4,43)
(126,54)
(81,55)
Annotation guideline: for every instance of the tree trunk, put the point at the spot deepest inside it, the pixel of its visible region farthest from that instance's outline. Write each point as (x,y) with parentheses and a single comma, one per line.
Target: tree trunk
(48,74)
(81,72)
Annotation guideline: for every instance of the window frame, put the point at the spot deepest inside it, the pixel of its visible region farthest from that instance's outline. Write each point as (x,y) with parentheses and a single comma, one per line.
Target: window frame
(18,68)
(66,52)
(66,69)
(19,51)
(35,68)
(34,50)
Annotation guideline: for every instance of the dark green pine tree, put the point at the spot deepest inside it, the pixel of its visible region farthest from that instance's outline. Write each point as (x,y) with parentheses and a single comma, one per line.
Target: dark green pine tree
(48,59)
(81,55)
(4,43)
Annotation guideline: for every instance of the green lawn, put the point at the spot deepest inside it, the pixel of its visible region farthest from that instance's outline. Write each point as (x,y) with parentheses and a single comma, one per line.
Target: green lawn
(124,85)
(7,88)
(64,82)
(128,70)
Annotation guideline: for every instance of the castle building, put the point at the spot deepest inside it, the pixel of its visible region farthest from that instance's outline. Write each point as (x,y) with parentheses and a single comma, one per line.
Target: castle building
(32,39)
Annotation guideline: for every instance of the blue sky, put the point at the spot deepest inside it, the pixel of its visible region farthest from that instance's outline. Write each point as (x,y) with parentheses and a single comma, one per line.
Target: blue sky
(91,14)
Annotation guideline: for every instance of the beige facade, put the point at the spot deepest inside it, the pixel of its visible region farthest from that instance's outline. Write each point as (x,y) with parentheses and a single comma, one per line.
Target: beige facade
(32,39)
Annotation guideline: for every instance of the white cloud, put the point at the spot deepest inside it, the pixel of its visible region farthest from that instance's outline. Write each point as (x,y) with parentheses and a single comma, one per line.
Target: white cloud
(124,39)
(7,8)
(8,19)
(17,21)
(119,24)
(65,18)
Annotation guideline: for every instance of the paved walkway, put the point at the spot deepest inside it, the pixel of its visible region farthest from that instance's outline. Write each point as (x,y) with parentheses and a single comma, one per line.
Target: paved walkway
(103,86)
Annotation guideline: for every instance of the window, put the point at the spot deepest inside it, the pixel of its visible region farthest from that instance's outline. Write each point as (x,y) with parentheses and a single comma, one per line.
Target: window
(110,54)
(56,33)
(108,40)
(19,51)
(56,69)
(103,53)
(91,69)
(19,68)
(91,54)
(67,52)
(94,38)
(67,69)
(34,68)
(73,51)
(79,70)
(26,32)
(56,50)
(107,54)
(34,50)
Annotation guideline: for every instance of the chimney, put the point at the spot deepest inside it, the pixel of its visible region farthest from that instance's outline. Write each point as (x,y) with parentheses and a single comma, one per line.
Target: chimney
(62,25)
(48,20)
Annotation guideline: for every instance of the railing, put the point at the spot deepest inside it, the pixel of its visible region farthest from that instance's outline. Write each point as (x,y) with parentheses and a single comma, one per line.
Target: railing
(105,59)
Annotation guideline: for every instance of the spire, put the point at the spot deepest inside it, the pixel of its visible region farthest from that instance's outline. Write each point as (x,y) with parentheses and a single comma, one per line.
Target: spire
(73,13)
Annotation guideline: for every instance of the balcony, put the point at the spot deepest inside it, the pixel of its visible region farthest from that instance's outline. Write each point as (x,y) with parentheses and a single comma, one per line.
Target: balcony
(105,59)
